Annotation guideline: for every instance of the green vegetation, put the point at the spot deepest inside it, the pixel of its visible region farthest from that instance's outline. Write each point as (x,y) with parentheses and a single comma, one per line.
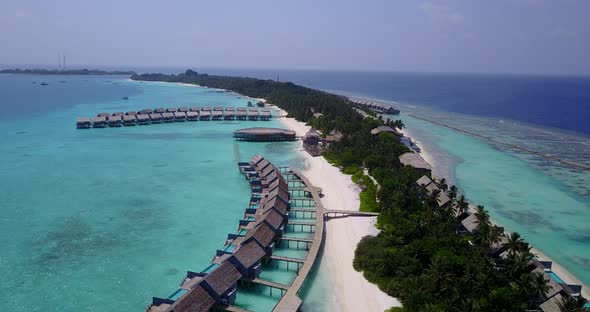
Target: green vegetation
(418,256)
(66,72)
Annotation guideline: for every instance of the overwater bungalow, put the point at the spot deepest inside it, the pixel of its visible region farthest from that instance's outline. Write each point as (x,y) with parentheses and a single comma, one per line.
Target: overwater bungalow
(195,299)
(218,109)
(156,118)
(263,235)
(253,115)
(118,114)
(179,116)
(160,110)
(129,120)
(241,115)
(229,115)
(99,122)
(259,134)
(275,204)
(272,218)
(143,119)
(195,109)
(221,283)
(205,115)
(206,109)
(183,109)
(265,116)
(192,116)
(103,115)
(230,109)
(261,165)
(83,123)
(217,115)
(247,259)
(242,109)
(171,110)
(168,117)
(115,120)
(416,161)
(146,111)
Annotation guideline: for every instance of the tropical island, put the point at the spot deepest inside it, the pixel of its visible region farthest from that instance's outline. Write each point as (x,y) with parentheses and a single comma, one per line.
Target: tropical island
(67,72)
(434,251)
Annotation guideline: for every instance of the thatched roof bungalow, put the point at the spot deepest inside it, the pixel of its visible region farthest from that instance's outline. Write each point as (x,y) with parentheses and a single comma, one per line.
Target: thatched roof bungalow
(221,283)
(194,300)
(387,129)
(247,259)
(263,235)
(416,161)
(99,122)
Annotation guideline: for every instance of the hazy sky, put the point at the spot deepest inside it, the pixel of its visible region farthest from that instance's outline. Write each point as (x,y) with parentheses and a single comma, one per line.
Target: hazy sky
(525,36)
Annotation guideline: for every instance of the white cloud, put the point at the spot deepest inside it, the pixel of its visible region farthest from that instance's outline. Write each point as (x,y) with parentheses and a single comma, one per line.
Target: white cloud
(438,13)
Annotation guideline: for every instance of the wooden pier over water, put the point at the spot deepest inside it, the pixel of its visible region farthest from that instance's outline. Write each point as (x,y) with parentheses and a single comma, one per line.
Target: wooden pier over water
(150,116)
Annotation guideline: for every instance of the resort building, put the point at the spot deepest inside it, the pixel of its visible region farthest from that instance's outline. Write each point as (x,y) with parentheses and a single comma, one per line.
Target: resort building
(83,123)
(387,129)
(222,282)
(99,122)
(248,260)
(143,119)
(375,106)
(416,161)
(312,143)
(442,198)
(264,134)
(334,136)
(129,120)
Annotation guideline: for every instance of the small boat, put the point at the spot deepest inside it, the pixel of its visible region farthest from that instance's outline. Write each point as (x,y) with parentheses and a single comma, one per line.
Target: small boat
(125,98)
(44,84)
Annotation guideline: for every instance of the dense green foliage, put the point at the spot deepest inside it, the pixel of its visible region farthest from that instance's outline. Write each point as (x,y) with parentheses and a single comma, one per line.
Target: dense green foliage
(418,256)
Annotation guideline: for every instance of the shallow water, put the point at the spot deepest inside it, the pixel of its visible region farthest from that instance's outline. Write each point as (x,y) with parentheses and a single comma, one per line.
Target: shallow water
(104,219)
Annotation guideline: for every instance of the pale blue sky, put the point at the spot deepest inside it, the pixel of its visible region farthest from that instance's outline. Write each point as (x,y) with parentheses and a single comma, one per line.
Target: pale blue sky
(522,36)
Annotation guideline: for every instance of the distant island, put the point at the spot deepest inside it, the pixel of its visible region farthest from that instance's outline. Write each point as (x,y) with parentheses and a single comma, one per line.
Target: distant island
(66,72)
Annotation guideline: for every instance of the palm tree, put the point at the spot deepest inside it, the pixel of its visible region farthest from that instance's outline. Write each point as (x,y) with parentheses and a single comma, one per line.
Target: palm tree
(461,205)
(487,234)
(538,286)
(443,184)
(571,304)
(514,243)
(439,274)
(453,192)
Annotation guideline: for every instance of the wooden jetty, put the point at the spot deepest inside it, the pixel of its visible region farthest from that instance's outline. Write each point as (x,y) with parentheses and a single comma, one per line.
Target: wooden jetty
(150,116)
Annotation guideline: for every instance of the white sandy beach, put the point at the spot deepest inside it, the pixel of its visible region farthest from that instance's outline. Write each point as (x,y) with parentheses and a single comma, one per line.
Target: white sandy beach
(352,291)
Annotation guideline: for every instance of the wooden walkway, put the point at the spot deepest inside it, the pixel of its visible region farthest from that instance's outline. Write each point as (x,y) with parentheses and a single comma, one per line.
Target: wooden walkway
(351,213)
(288,259)
(296,239)
(232,308)
(290,301)
(268,283)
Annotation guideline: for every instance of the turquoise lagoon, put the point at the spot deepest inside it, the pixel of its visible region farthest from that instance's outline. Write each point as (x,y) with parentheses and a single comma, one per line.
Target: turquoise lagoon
(104,219)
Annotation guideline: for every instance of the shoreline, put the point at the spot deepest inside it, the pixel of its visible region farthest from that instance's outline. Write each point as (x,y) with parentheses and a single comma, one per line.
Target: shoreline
(351,291)
(558,269)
